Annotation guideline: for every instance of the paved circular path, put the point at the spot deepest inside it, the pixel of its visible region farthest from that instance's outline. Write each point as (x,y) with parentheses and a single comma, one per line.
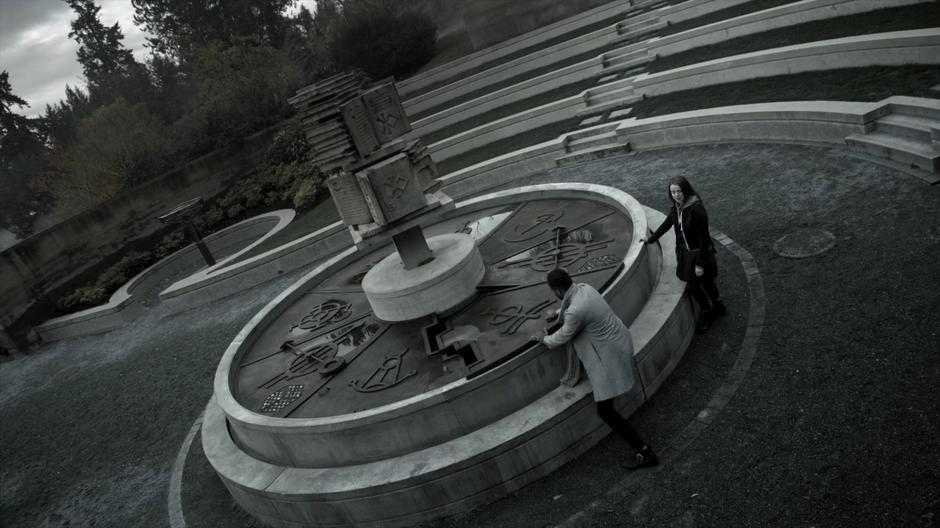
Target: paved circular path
(834,423)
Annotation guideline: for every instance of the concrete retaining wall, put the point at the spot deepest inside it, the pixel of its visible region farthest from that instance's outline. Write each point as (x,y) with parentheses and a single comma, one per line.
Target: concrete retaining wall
(125,304)
(50,258)
(921,46)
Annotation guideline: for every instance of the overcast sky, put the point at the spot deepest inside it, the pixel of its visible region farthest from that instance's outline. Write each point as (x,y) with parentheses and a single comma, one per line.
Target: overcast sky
(37,51)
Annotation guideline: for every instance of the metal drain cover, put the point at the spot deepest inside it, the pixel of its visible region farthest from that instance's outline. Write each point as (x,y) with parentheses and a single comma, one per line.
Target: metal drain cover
(804,243)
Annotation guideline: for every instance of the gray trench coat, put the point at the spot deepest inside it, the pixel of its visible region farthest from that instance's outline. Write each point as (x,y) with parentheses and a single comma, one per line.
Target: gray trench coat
(601,340)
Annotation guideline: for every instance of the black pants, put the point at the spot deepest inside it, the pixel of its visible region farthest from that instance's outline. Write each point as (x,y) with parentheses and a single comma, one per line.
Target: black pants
(705,293)
(620,425)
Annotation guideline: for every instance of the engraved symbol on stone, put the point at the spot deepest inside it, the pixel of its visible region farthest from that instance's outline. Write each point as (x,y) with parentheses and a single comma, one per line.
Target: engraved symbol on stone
(541,225)
(387,121)
(387,375)
(562,256)
(515,316)
(599,262)
(397,183)
(321,358)
(324,314)
(281,398)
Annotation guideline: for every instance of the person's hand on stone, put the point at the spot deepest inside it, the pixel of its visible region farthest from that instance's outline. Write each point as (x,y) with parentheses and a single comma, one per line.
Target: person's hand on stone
(538,336)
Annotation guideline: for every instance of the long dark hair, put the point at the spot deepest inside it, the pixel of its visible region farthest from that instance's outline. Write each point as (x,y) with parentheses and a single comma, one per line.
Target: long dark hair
(683,184)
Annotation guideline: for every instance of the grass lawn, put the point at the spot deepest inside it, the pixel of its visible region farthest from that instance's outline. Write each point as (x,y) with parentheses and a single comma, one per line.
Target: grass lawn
(881,21)
(850,84)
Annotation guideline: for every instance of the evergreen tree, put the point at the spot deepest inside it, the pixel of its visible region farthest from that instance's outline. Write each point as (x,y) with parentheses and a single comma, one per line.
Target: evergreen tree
(109,67)
(180,27)
(23,157)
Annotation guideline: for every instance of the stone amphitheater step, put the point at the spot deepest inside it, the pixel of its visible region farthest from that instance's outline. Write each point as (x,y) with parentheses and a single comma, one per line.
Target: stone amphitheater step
(604,108)
(593,153)
(904,150)
(584,143)
(623,63)
(608,78)
(909,126)
(619,84)
(601,97)
(637,30)
(592,131)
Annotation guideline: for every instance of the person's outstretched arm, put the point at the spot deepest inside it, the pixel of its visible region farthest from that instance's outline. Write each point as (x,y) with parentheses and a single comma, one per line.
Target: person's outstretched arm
(660,231)
(567,331)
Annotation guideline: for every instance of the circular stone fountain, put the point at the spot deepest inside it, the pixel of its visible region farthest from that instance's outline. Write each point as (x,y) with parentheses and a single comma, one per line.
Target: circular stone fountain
(368,394)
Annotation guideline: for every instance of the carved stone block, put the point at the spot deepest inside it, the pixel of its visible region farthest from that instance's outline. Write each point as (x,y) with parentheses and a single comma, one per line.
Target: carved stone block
(391,189)
(359,123)
(388,117)
(349,199)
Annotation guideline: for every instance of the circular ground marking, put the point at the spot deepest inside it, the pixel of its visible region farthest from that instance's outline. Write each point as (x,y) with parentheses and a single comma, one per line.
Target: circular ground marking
(804,243)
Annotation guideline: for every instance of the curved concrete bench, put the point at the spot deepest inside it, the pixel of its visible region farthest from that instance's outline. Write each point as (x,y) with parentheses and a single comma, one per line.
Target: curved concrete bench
(773,18)
(411,86)
(124,307)
(594,41)
(921,46)
(812,122)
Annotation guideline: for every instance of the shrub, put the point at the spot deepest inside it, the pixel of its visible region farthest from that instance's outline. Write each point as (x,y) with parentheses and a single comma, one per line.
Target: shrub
(170,243)
(383,38)
(124,270)
(81,299)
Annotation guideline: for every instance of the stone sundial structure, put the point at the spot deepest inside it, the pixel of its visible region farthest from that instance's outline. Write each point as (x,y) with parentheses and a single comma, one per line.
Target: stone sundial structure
(396,382)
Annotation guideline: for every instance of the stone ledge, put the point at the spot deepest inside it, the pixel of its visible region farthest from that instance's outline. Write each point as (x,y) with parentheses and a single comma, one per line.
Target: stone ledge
(530,119)
(760,21)
(920,46)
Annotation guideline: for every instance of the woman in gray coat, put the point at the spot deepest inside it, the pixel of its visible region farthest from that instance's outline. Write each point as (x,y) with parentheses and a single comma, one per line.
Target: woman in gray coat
(605,348)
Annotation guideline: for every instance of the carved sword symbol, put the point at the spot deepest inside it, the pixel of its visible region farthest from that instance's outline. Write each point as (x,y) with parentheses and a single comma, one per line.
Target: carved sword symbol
(387,375)
(515,316)
(562,255)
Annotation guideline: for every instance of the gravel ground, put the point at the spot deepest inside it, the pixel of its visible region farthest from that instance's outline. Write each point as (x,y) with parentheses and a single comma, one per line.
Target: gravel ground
(834,424)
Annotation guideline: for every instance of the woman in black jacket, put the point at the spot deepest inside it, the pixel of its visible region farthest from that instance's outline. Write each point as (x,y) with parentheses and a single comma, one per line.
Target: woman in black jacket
(695,252)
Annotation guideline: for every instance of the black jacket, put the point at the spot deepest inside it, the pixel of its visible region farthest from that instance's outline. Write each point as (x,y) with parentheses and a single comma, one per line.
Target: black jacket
(695,228)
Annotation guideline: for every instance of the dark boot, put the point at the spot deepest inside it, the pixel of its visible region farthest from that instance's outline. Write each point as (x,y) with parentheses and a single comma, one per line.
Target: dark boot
(718,310)
(643,458)
(704,322)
